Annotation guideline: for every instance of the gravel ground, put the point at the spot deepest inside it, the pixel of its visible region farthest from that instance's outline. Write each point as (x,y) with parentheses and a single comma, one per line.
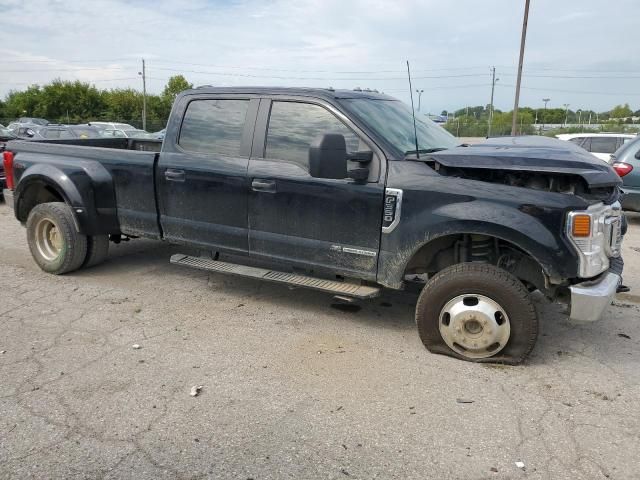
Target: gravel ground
(291,386)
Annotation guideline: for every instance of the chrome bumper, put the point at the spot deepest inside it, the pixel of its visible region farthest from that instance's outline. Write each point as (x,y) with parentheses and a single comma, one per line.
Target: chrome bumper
(8,197)
(590,299)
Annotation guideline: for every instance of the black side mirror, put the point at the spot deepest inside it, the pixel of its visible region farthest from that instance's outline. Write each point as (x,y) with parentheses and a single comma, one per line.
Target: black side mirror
(637,155)
(328,156)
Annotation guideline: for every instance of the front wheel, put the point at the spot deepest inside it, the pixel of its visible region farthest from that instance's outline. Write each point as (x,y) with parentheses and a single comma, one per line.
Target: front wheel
(477,312)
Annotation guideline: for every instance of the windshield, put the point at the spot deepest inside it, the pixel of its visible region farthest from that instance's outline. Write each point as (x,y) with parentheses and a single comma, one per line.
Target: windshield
(392,120)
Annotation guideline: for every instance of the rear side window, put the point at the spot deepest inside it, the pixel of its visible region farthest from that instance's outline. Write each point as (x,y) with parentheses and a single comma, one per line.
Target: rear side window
(214,126)
(603,144)
(577,140)
(293,126)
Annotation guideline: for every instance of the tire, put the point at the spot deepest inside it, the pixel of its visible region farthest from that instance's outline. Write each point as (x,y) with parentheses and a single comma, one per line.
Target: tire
(55,244)
(97,250)
(479,313)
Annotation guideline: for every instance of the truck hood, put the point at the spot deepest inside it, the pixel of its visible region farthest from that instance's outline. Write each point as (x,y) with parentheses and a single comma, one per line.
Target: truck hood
(532,154)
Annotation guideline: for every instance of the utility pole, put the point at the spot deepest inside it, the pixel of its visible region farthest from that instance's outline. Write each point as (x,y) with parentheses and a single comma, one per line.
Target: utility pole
(544,113)
(566,113)
(493,87)
(419,92)
(520,62)
(144,95)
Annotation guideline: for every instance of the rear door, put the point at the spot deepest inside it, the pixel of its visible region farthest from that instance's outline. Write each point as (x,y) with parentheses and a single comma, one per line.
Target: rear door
(202,172)
(313,223)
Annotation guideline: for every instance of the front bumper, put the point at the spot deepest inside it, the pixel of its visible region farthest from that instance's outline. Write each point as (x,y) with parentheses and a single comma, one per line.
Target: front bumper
(590,299)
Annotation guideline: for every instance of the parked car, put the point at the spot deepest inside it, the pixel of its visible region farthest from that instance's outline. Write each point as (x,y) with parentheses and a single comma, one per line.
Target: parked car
(159,134)
(602,145)
(5,136)
(32,121)
(328,188)
(55,132)
(112,126)
(626,162)
(24,130)
(125,133)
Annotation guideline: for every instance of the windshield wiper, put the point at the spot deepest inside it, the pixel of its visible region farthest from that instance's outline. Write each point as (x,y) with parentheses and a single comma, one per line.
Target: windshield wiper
(424,150)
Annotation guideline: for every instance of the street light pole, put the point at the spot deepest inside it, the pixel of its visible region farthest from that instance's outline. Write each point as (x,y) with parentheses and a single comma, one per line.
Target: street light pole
(419,92)
(520,62)
(544,113)
(566,113)
(493,87)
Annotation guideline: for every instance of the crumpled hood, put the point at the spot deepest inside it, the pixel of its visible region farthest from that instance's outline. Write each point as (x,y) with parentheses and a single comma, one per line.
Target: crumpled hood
(534,154)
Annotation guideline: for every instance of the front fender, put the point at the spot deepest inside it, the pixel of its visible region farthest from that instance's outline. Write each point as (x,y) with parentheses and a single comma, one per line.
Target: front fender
(531,220)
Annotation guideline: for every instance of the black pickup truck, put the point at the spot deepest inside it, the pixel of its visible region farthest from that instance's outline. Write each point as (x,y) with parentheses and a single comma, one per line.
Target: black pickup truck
(331,189)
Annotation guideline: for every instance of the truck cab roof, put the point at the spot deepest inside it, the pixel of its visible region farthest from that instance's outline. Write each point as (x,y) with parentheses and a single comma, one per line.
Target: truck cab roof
(325,93)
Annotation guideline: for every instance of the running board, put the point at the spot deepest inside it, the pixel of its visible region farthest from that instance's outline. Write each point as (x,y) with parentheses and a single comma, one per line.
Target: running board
(291,279)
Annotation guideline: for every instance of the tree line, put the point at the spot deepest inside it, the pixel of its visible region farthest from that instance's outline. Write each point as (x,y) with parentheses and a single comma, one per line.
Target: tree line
(474,121)
(64,101)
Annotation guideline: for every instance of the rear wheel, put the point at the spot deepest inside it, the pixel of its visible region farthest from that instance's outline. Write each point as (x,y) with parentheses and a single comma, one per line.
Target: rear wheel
(97,250)
(477,312)
(55,244)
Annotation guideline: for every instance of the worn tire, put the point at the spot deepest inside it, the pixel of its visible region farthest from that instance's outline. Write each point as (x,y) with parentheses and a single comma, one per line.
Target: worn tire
(480,279)
(97,250)
(73,245)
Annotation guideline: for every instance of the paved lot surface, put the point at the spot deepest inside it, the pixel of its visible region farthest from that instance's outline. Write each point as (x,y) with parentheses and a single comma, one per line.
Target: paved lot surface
(292,388)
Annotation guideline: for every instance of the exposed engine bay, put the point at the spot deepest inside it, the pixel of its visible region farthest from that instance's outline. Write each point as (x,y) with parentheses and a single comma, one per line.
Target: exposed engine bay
(549,182)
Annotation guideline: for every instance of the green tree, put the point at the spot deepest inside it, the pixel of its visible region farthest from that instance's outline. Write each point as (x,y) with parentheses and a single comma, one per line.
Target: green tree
(175,85)
(621,111)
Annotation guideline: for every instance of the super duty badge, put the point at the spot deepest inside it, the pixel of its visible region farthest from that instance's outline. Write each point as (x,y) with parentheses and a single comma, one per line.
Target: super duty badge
(391,210)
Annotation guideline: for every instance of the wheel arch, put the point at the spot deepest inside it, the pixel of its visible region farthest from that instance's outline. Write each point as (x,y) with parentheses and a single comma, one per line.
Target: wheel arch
(422,252)
(43,183)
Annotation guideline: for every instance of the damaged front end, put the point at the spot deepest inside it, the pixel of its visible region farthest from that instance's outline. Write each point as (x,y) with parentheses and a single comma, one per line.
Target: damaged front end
(538,163)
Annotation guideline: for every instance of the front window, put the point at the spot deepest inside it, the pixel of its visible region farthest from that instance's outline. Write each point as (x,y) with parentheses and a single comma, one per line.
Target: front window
(392,120)
(293,126)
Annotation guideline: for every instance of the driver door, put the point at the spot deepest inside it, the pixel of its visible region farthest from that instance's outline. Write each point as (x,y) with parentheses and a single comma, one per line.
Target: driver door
(313,223)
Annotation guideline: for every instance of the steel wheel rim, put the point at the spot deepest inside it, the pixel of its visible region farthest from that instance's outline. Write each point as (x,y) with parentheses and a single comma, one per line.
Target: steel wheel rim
(474,325)
(49,240)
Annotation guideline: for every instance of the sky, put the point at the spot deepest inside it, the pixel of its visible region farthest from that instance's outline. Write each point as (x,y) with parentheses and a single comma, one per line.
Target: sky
(578,52)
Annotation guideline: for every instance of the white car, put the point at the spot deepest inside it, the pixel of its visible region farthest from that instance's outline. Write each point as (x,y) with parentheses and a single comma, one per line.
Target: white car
(112,126)
(602,145)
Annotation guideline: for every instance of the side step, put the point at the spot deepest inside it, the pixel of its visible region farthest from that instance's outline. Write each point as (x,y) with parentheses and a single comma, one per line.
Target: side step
(292,279)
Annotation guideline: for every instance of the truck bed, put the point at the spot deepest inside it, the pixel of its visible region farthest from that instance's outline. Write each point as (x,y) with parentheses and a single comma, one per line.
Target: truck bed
(119,172)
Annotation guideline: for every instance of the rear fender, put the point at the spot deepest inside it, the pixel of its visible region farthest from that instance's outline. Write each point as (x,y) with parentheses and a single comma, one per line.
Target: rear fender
(78,188)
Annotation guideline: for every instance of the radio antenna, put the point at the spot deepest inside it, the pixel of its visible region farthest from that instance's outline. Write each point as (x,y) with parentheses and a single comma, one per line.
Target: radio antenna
(413,112)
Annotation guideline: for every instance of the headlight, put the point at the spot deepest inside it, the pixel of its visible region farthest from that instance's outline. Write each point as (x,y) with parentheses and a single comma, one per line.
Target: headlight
(596,235)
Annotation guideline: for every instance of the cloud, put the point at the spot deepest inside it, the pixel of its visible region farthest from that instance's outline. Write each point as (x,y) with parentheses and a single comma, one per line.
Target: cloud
(451,46)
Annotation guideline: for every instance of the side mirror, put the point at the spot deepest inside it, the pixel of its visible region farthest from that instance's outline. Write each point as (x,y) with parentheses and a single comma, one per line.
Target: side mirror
(637,155)
(30,133)
(328,156)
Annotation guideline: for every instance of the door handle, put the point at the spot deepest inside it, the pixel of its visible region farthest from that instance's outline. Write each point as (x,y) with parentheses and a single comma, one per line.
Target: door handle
(174,175)
(261,185)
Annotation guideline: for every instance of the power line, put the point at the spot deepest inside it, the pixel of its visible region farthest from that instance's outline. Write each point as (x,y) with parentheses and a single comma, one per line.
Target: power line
(568,91)
(288,77)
